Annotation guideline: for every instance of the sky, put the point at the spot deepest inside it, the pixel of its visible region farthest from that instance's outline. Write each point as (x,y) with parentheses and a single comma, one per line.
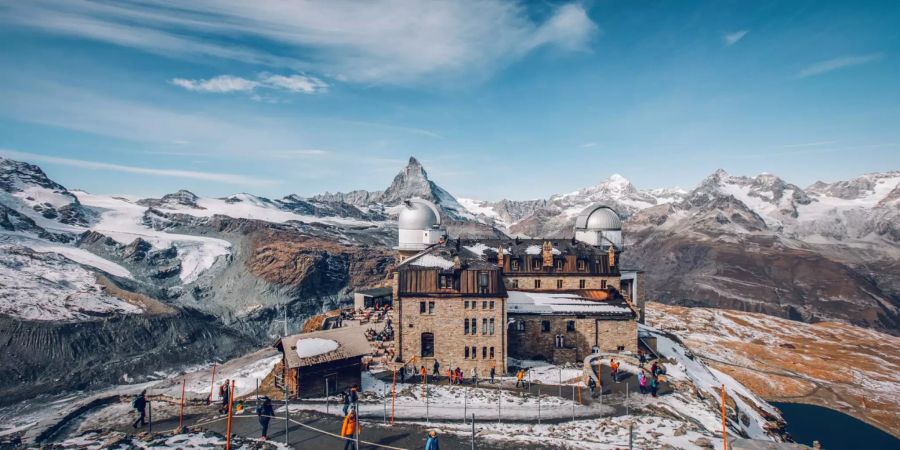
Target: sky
(497,99)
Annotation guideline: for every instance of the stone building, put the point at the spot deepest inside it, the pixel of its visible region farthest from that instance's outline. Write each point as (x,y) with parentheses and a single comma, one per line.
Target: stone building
(471,303)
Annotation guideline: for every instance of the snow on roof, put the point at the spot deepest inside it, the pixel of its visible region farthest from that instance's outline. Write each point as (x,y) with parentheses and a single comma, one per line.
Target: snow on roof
(477,249)
(307,348)
(537,250)
(429,260)
(549,303)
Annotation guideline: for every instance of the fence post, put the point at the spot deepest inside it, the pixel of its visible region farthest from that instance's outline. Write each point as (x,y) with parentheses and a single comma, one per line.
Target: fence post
(573,403)
(499,403)
(356,419)
(626,398)
(212,384)
(384,401)
(539,404)
(631,435)
(560,382)
(465,404)
(150,416)
(427,413)
(393,390)
(181,414)
(473,431)
(230,409)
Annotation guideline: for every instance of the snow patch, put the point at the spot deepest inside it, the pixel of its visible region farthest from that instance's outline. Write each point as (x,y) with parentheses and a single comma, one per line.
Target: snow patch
(307,348)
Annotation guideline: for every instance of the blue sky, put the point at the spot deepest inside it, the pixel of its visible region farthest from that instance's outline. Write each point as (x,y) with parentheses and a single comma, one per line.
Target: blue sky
(496,98)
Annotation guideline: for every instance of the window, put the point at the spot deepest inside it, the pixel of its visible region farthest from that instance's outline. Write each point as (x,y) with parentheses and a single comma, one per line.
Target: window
(466,325)
(560,264)
(427,345)
(581,284)
(560,341)
(492,352)
(545,326)
(484,304)
(483,282)
(466,305)
(430,307)
(515,283)
(559,284)
(536,264)
(421,307)
(484,352)
(484,327)
(445,281)
(537,284)
(474,326)
(620,348)
(602,284)
(581,265)
(570,325)
(520,325)
(467,352)
(491,326)
(514,264)
(474,352)
(492,304)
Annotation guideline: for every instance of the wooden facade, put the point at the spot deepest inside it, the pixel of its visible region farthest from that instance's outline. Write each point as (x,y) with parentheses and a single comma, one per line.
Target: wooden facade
(570,265)
(328,378)
(451,283)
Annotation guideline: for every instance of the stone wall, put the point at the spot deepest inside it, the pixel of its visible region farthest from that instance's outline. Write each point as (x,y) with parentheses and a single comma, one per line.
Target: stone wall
(450,339)
(569,282)
(534,343)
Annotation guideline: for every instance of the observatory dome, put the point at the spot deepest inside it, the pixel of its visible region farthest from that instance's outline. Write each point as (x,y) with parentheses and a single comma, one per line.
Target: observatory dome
(418,214)
(598,217)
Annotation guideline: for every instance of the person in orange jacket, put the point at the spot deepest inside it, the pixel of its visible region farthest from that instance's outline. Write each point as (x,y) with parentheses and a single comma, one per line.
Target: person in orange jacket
(349,430)
(520,376)
(423,373)
(614,369)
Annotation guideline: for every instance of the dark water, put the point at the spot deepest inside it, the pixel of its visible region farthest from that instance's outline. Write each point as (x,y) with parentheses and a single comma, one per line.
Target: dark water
(835,430)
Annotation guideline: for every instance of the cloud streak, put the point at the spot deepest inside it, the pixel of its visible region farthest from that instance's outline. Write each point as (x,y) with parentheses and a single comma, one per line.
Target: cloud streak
(224,84)
(227,178)
(379,41)
(733,38)
(833,64)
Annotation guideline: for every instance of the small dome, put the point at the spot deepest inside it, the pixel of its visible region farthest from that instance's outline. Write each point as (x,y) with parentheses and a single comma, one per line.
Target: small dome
(598,217)
(418,214)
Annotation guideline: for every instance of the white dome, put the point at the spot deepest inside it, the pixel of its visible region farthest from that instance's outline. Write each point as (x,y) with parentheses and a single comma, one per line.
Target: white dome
(598,217)
(418,214)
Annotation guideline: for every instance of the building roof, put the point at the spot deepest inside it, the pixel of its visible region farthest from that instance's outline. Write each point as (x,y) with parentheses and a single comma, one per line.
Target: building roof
(530,247)
(598,217)
(324,346)
(585,302)
(444,256)
(418,214)
(375,292)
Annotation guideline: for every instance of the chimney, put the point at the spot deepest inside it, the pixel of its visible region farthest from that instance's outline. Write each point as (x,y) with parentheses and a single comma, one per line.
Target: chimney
(500,256)
(612,256)
(548,254)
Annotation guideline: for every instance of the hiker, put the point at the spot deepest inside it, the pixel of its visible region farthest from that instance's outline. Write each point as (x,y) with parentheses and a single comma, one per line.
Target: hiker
(436,369)
(520,375)
(459,376)
(654,368)
(642,382)
(653,386)
(140,405)
(614,369)
(423,374)
(354,395)
(224,391)
(474,376)
(265,413)
(402,374)
(493,372)
(432,442)
(592,385)
(642,357)
(345,399)
(349,430)
(451,376)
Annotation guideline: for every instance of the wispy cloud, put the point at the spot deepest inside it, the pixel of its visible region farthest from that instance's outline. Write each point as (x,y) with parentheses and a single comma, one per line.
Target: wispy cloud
(588,145)
(227,178)
(379,41)
(837,63)
(733,38)
(230,83)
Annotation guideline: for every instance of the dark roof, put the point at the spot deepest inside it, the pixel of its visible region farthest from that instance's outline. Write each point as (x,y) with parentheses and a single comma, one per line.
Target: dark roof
(594,302)
(376,292)
(444,256)
(519,247)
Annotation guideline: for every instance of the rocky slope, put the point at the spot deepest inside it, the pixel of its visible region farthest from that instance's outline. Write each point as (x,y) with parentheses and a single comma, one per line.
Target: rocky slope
(831,364)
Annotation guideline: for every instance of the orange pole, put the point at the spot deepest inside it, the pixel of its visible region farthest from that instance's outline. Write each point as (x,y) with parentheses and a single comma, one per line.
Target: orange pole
(393,385)
(181,416)
(212,384)
(724,428)
(579,393)
(230,408)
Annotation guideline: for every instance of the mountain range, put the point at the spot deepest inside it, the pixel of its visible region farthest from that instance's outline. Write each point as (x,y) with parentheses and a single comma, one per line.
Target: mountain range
(91,282)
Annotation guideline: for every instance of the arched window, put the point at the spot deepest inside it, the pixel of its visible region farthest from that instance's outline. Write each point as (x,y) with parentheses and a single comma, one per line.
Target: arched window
(427,345)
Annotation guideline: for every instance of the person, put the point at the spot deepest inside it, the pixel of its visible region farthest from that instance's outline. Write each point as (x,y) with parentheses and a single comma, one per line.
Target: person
(402,374)
(459,376)
(265,412)
(653,386)
(451,376)
(614,369)
(654,368)
(493,372)
(224,392)
(592,384)
(432,442)
(642,357)
(642,382)
(422,373)
(354,395)
(345,399)
(520,376)
(140,405)
(474,374)
(436,369)
(349,430)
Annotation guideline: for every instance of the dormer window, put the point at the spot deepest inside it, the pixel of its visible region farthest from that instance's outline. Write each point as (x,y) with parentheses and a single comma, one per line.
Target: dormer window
(484,281)
(445,281)
(581,265)
(560,264)
(536,264)
(514,264)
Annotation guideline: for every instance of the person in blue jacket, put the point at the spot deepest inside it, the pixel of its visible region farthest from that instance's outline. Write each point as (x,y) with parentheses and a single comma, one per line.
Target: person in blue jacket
(432,442)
